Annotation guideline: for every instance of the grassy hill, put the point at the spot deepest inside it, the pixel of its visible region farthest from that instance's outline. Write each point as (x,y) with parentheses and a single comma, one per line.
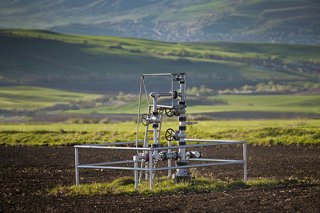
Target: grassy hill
(112,64)
(38,69)
(284,21)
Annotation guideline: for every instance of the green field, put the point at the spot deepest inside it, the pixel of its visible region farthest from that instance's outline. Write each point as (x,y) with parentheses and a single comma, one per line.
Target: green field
(104,63)
(232,103)
(26,98)
(31,98)
(260,132)
(165,186)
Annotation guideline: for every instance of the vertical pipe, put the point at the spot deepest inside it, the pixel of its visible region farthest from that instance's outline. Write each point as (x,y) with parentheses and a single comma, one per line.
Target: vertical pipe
(169,161)
(155,126)
(76,163)
(150,170)
(172,91)
(245,166)
(182,128)
(135,165)
(146,173)
(141,172)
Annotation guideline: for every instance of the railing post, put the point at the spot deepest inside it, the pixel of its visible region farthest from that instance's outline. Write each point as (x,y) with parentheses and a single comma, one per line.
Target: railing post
(245,166)
(169,161)
(135,165)
(150,170)
(76,163)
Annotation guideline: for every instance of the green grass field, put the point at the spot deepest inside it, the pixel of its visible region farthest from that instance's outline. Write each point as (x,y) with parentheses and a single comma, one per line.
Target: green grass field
(35,98)
(195,51)
(165,186)
(30,98)
(233,103)
(43,56)
(259,132)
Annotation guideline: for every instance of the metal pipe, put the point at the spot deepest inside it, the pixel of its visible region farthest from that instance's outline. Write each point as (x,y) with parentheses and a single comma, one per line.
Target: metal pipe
(169,161)
(245,166)
(112,167)
(196,165)
(216,160)
(111,163)
(150,170)
(76,163)
(135,165)
(214,141)
(146,171)
(164,94)
(226,162)
(113,143)
(192,145)
(112,147)
(158,74)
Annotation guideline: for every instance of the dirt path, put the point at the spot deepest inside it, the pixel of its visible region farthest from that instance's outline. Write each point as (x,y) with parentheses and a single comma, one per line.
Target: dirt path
(27,173)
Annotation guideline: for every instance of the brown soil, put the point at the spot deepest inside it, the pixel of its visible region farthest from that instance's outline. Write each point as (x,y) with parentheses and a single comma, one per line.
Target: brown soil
(27,173)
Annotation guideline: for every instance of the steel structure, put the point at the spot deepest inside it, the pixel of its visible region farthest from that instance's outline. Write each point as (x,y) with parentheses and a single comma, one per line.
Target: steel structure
(148,152)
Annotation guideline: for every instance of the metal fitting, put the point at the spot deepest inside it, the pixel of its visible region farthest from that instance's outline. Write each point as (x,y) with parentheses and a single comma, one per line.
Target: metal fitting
(193,154)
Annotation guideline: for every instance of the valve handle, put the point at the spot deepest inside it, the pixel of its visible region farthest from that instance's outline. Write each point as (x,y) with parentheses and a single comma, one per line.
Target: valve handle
(160,111)
(169,135)
(144,119)
(169,112)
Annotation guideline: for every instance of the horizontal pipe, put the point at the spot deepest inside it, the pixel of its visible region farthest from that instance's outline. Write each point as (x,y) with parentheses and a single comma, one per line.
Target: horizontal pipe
(158,74)
(111,143)
(165,106)
(212,143)
(194,145)
(120,143)
(112,147)
(110,163)
(215,160)
(158,169)
(195,165)
(215,141)
(112,167)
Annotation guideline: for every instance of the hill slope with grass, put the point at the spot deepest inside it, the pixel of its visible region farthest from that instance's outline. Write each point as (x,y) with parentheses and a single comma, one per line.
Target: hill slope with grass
(112,64)
(281,21)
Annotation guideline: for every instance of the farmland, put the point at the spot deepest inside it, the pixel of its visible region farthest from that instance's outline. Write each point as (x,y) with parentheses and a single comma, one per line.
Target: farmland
(257,132)
(110,64)
(29,174)
(27,103)
(56,92)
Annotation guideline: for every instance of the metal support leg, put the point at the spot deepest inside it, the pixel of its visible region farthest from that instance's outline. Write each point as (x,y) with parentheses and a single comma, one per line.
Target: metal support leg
(136,179)
(76,163)
(150,169)
(169,161)
(146,173)
(245,166)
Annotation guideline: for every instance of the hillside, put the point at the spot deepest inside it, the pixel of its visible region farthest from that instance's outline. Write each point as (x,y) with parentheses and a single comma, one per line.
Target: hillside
(100,63)
(279,21)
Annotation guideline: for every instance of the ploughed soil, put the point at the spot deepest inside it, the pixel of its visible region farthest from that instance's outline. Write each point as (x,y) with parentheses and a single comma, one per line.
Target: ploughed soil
(27,173)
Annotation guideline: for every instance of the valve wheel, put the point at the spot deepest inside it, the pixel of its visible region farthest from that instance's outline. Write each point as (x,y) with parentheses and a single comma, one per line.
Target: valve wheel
(144,119)
(169,112)
(169,135)
(160,111)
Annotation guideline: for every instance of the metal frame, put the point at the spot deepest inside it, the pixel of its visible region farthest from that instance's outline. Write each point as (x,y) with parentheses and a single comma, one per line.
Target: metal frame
(151,169)
(148,155)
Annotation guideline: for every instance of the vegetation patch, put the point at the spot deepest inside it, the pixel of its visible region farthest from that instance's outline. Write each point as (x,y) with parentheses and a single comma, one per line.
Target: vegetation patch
(125,186)
(258,132)
(233,65)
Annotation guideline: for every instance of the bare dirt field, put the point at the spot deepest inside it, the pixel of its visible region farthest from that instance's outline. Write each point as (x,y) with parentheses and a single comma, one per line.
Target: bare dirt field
(27,173)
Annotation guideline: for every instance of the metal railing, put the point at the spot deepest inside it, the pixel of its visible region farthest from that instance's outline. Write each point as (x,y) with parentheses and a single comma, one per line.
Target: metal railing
(150,169)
